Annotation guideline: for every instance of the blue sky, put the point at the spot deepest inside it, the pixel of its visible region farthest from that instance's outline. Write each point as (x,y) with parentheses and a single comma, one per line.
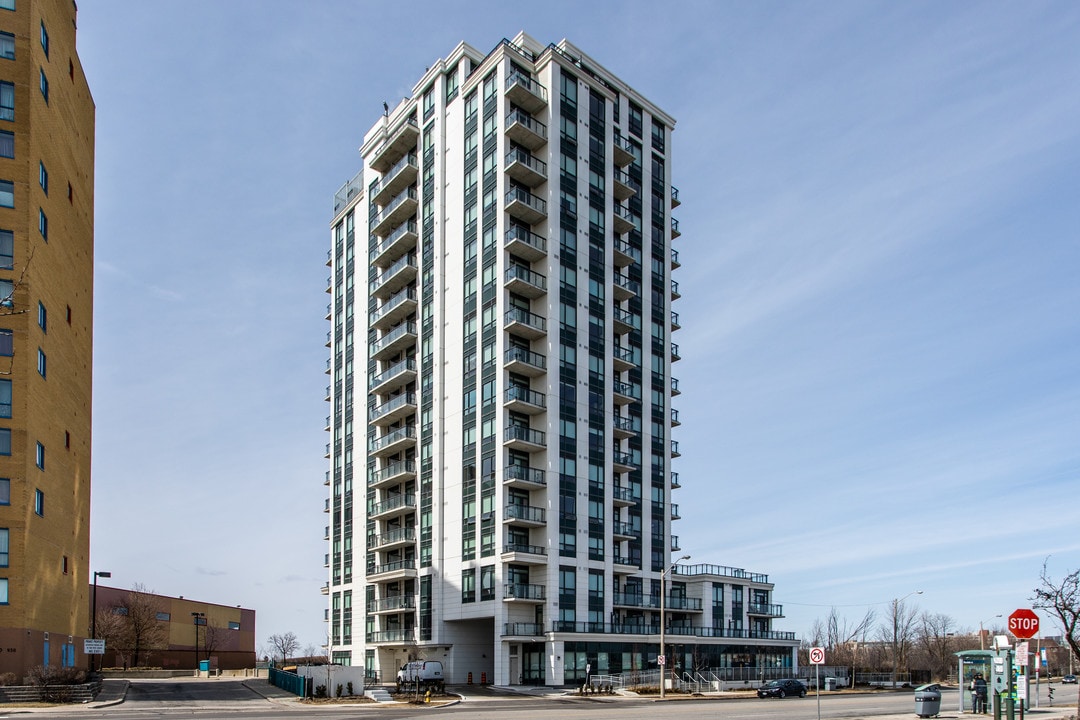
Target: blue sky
(881,239)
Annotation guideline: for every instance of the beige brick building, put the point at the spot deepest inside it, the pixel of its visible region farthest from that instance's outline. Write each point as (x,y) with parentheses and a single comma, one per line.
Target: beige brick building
(46,333)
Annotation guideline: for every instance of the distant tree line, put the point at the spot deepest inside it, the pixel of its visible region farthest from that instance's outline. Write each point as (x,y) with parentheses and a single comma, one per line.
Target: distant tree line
(906,639)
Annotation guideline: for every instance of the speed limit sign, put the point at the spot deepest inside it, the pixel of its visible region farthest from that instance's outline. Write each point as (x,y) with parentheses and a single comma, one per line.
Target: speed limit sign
(817,656)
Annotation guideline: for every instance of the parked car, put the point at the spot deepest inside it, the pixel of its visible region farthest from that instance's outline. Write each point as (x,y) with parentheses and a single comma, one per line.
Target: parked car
(1069,679)
(781,689)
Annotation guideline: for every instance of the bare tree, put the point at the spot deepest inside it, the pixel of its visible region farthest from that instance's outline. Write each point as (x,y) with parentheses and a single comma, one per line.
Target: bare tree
(140,629)
(284,645)
(898,631)
(936,643)
(110,628)
(212,637)
(1062,599)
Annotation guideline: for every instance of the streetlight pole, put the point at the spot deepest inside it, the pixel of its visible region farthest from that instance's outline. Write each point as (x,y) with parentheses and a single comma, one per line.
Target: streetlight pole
(663,621)
(197,616)
(896,632)
(982,637)
(93,610)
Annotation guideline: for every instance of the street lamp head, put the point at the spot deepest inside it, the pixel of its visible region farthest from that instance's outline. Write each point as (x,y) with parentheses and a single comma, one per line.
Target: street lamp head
(102,574)
(684,557)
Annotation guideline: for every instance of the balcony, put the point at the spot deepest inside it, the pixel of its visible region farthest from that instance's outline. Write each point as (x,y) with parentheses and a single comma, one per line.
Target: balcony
(675,356)
(675,202)
(524,362)
(526,169)
(622,358)
(525,244)
(675,259)
(400,176)
(624,221)
(394,604)
(529,593)
(525,92)
(325,589)
(624,287)
(397,243)
(675,229)
(394,570)
(675,546)
(523,400)
(399,141)
(675,387)
(675,512)
(524,438)
(526,324)
(397,375)
(394,278)
(392,442)
(675,481)
(523,630)
(524,129)
(393,506)
(347,192)
(524,554)
(393,342)
(525,206)
(523,281)
(675,321)
(624,393)
(401,207)
(399,537)
(623,531)
(396,308)
(622,496)
(391,637)
(675,294)
(625,253)
(525,478)
(776,611)
(393,410)
(622,565)
(675,418)
(393,474)
(622,462)
(623,151)
(623,426)
(624,185)
(526,515)
(623,320)
(675,449)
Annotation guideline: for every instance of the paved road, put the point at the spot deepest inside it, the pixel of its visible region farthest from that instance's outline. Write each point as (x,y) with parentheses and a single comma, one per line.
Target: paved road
(235,700)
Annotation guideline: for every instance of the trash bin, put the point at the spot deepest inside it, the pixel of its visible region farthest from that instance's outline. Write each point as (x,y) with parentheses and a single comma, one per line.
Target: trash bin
(927,700)
(204,666)
(830,683)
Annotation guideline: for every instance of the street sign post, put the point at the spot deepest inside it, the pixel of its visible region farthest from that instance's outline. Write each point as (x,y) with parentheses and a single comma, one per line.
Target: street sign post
(817,659)
(1023,623)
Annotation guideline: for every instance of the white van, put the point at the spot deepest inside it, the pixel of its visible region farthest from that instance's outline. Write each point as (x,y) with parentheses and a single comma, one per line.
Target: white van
(421,674)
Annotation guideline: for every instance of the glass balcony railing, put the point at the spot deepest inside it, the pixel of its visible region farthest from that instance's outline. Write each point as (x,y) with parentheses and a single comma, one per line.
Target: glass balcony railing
(536,476)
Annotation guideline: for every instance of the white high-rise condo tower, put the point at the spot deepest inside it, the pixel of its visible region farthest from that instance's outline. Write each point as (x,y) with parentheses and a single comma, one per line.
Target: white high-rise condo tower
(500,392)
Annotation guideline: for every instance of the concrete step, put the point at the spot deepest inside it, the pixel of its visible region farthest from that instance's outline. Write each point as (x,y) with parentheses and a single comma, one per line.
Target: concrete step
(378,695)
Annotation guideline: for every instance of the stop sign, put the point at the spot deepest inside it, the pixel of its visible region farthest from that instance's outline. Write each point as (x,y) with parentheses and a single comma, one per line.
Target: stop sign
(1023,623)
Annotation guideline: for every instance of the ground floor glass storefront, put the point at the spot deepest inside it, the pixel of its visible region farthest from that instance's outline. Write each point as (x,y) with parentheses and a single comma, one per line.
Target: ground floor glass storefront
(604,658)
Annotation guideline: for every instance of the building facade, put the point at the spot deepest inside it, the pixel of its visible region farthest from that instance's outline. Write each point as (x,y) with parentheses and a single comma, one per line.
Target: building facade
(188,631)
(46,335)
(500,482)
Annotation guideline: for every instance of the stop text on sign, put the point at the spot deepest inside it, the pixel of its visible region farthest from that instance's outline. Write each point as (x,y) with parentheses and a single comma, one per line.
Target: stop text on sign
(1023,623)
